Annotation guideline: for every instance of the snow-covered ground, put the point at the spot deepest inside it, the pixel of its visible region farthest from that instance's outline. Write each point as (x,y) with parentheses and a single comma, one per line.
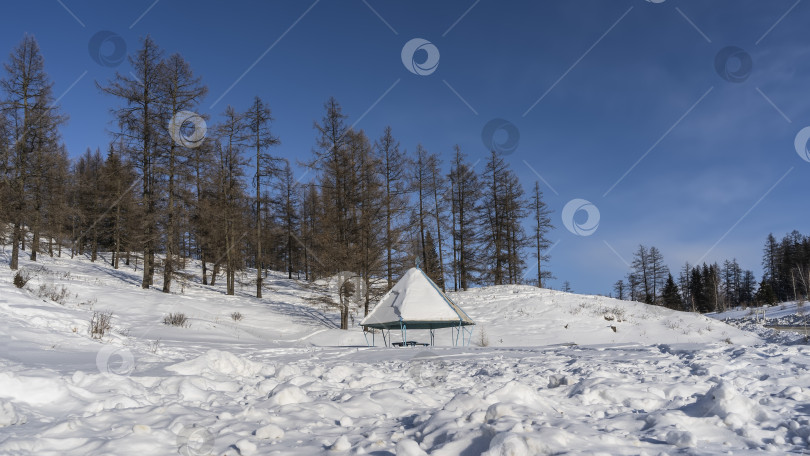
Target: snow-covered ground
(547,373)
(793,317)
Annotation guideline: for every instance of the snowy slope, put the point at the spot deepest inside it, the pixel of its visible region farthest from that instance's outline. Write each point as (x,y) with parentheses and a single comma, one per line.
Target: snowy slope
(520,315)
(284,381)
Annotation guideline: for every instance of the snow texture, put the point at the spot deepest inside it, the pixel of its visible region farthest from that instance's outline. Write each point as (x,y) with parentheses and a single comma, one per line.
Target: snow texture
(555,378)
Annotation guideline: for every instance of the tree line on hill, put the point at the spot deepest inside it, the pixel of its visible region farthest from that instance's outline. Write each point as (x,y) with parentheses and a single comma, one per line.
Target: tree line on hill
(226,200)
(718,287)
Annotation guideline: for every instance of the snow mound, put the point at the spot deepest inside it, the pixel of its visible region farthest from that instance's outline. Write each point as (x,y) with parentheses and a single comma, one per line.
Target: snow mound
(9,416)
(724,401)
(407,447)
(286,394)
(222,363)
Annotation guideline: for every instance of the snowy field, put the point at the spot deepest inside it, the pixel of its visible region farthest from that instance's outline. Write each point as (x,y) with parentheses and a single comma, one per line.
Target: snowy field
(547,373)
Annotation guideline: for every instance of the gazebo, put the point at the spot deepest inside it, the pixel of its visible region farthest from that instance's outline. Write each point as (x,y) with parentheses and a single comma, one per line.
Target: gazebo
(415,302)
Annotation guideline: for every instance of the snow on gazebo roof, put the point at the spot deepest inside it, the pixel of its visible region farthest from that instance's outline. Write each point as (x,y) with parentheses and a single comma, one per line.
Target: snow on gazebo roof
(417,303)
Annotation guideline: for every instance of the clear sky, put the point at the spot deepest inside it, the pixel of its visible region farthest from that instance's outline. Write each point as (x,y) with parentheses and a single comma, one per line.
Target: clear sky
(676,120)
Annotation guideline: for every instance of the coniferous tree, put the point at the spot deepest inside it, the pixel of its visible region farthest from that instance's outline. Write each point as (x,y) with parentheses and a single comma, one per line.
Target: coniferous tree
(466,193)
(438,185)
(634,287)
(178,90)
(30,128)
(765,294)
(670,297)
(393,166)
(658,273)
(542,225)
(641,269)
(431,265)
(90,211)
(231,198)
(287,210)
(259,138)
(140,118)
(619,289)
(420,186)
(118,181)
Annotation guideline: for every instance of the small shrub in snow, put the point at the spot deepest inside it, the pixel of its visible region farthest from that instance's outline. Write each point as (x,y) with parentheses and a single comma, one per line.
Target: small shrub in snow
(21,278)
(236,316)
(100,324)
(176,319)
(672,324)
(52,292)
(483,340)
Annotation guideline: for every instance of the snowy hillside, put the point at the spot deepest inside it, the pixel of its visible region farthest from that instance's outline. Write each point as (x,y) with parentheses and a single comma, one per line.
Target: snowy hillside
(519,315)
(283,380)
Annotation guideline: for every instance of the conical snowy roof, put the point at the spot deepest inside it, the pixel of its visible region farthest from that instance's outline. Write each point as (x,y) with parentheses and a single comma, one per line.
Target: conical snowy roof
(416,303)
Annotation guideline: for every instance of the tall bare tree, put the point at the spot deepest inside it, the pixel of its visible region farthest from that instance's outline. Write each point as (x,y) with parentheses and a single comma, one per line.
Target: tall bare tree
(231,187)
(259,138)
(179,90)
(393,167)
(140,120)
(542,225)
(31,121)
(466,193)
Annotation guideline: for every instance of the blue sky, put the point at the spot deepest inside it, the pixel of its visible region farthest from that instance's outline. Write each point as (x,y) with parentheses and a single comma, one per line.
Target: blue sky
(592,87)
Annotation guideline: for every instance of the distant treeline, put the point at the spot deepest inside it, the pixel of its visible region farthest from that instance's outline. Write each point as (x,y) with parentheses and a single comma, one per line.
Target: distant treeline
(717,287)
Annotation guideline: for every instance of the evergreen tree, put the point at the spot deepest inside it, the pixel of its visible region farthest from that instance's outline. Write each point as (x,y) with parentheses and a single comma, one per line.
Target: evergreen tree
(670,298)
(431,266)
(765,294)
